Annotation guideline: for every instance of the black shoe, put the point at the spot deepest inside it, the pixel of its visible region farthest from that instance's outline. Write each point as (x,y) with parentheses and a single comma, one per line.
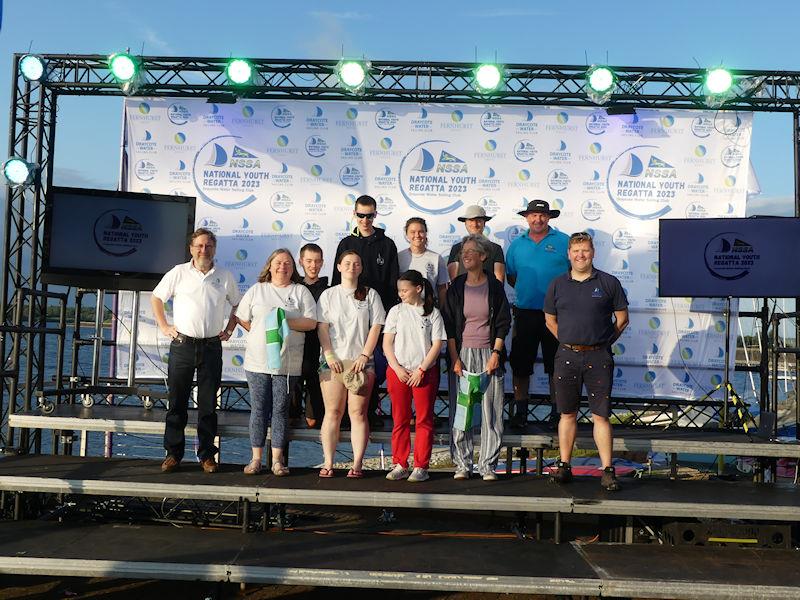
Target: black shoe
(518,421)
(609,480)
(563,473)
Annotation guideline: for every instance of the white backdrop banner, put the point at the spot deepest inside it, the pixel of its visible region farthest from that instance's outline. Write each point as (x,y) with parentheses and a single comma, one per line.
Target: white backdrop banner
(280,174)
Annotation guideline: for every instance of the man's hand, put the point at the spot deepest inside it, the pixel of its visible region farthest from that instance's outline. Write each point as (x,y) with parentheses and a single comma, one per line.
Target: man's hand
(169,331)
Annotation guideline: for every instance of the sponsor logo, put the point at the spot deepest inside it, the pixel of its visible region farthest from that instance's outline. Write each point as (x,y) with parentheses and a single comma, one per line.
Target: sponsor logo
(145,170)
(316,146)
(702,126)
(562,123)
(524,151)
(433,179)
(491,121)
(729,257)
(350,175)
(732,156)
(282,116)
(210,224)
(622,239)
(560,154)
(146,144)
(352,150)
(591,210)
(597,123)
(558,180)
(214,116)
(117,233)
(421,122)
(641,184)
(386,205)
(456,121)
(226,174)
(317,119)
(178,114)
(280,202)
(310,231)
(385,119)
(727,123)
(527,124)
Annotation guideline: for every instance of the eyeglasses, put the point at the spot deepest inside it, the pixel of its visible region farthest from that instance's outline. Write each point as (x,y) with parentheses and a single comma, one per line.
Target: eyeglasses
(369,216)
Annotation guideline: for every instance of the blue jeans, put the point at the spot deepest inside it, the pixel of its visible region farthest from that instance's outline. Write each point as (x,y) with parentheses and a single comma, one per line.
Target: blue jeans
(269,406)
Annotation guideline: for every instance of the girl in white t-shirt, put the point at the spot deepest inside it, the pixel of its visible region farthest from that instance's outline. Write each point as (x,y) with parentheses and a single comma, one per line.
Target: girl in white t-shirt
(350,317)
(269,386)
(412,339)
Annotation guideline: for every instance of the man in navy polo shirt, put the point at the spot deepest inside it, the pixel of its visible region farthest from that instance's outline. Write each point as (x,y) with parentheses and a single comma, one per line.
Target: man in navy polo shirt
(533,260)
(578,310)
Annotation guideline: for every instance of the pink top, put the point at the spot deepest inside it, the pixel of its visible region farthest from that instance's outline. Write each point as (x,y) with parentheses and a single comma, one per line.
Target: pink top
(476,316)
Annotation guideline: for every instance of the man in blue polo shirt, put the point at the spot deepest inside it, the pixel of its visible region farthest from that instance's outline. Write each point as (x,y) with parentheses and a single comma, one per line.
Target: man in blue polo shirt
(578,309)
(533,260)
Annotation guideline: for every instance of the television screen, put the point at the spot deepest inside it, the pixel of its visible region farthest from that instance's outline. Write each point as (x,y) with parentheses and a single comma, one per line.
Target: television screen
(114,240)
(741,258)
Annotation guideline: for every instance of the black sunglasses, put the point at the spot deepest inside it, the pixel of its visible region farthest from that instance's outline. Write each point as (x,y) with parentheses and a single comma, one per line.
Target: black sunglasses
(365,215)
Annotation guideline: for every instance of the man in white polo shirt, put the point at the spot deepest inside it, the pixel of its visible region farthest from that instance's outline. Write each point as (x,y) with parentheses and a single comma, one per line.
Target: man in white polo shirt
(200,291)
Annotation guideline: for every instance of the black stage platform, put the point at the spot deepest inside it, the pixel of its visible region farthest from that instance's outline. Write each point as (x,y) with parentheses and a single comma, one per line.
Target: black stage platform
(529,493)
(409,562)
(138,420)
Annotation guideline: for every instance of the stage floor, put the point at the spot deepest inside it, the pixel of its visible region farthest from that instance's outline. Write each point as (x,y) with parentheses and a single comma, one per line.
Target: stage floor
(409,562)
(528,493)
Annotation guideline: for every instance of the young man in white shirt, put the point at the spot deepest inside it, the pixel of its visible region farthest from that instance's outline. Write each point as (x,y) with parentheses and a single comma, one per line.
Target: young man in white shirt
(200,291)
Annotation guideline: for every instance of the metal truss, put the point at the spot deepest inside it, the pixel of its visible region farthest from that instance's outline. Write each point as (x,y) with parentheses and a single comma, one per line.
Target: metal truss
(23,299)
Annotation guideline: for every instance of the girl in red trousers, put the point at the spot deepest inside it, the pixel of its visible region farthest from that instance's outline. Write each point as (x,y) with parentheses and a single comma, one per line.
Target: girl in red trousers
(412,339)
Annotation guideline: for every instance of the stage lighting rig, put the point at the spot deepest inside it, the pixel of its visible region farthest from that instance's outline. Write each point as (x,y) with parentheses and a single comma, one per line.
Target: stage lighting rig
(33,67)
(352,74)
(488,78)
(239,72)
(19,172)
(127,71)
(717,86)
(600,83)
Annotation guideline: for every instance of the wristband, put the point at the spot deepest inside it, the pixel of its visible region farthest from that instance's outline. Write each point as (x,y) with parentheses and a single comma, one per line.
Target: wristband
(421,370)
(364,355)
(495,350)
(330,356)
(229,332)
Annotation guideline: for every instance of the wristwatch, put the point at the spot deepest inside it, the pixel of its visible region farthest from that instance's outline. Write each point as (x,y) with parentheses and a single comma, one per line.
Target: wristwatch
(495,350)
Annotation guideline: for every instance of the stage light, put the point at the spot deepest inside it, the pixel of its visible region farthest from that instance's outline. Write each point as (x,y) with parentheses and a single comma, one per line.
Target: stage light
(32,67)
(239,72)
(718,81)
(352,74)
(123,67)
(600,83)
(488,78)
(19,172)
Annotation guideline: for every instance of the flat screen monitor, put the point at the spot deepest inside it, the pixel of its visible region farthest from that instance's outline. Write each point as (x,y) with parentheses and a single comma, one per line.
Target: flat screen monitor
(114,240)
(756,257)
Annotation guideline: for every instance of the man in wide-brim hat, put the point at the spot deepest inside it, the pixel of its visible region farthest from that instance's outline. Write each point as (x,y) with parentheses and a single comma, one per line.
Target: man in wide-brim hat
(533,260)
(474,219)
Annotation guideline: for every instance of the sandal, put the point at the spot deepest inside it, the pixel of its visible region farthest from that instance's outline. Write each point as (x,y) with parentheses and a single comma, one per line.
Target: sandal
(355,474)
(253,467)
(279,470)
(325,473)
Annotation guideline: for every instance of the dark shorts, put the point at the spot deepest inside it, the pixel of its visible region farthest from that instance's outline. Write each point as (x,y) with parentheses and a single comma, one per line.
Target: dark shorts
(529,333)
(573,370)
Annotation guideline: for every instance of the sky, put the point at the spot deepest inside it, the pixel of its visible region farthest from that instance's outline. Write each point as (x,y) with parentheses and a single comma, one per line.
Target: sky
(734,33)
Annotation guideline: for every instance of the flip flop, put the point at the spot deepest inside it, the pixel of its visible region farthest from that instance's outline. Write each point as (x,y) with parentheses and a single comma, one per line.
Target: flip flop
(355,474)
(325,473)
(280,470)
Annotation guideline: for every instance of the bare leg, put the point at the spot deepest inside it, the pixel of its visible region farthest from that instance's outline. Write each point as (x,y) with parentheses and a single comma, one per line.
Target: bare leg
(334,395)
(603,438)
(567,431)
(359,424)
(277,457)
(258,454)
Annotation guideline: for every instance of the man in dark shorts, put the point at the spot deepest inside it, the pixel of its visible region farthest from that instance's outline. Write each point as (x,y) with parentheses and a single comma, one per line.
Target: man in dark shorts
(533,260)
(578,310)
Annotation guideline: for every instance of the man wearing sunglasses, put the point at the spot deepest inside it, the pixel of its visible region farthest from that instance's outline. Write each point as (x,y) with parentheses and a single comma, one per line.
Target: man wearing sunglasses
(586,310)
(380,271)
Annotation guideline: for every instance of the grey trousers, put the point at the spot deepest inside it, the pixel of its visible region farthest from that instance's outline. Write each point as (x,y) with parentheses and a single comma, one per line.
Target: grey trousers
(461,444)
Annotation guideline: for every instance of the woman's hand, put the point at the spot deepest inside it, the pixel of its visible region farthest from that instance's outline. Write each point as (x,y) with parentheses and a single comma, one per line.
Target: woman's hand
(458,367)
(415,378)
(333,362)
(493,362)
(402,374)
(359,363)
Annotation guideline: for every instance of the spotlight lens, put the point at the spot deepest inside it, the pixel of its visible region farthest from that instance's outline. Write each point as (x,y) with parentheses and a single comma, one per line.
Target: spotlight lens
(239,71)
(31,67)
(17,171)
(488,77)
(123,67)
(719,81)
(601,79)
(352,74)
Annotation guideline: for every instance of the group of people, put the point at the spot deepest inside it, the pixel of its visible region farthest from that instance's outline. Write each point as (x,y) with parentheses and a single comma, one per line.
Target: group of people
(387,316)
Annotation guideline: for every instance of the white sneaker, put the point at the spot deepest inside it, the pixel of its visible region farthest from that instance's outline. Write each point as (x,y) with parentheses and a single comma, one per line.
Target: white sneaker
(397,473)
(490,476)
(419,474)
(460,475)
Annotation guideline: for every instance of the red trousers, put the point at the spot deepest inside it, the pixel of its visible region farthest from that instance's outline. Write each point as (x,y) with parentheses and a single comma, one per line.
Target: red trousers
(424,397)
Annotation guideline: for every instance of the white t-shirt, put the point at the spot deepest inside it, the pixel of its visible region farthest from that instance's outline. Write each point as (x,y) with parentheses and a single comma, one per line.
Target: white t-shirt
(414,333)
(431,265)
(349,319)
(256,304)
(199,309)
